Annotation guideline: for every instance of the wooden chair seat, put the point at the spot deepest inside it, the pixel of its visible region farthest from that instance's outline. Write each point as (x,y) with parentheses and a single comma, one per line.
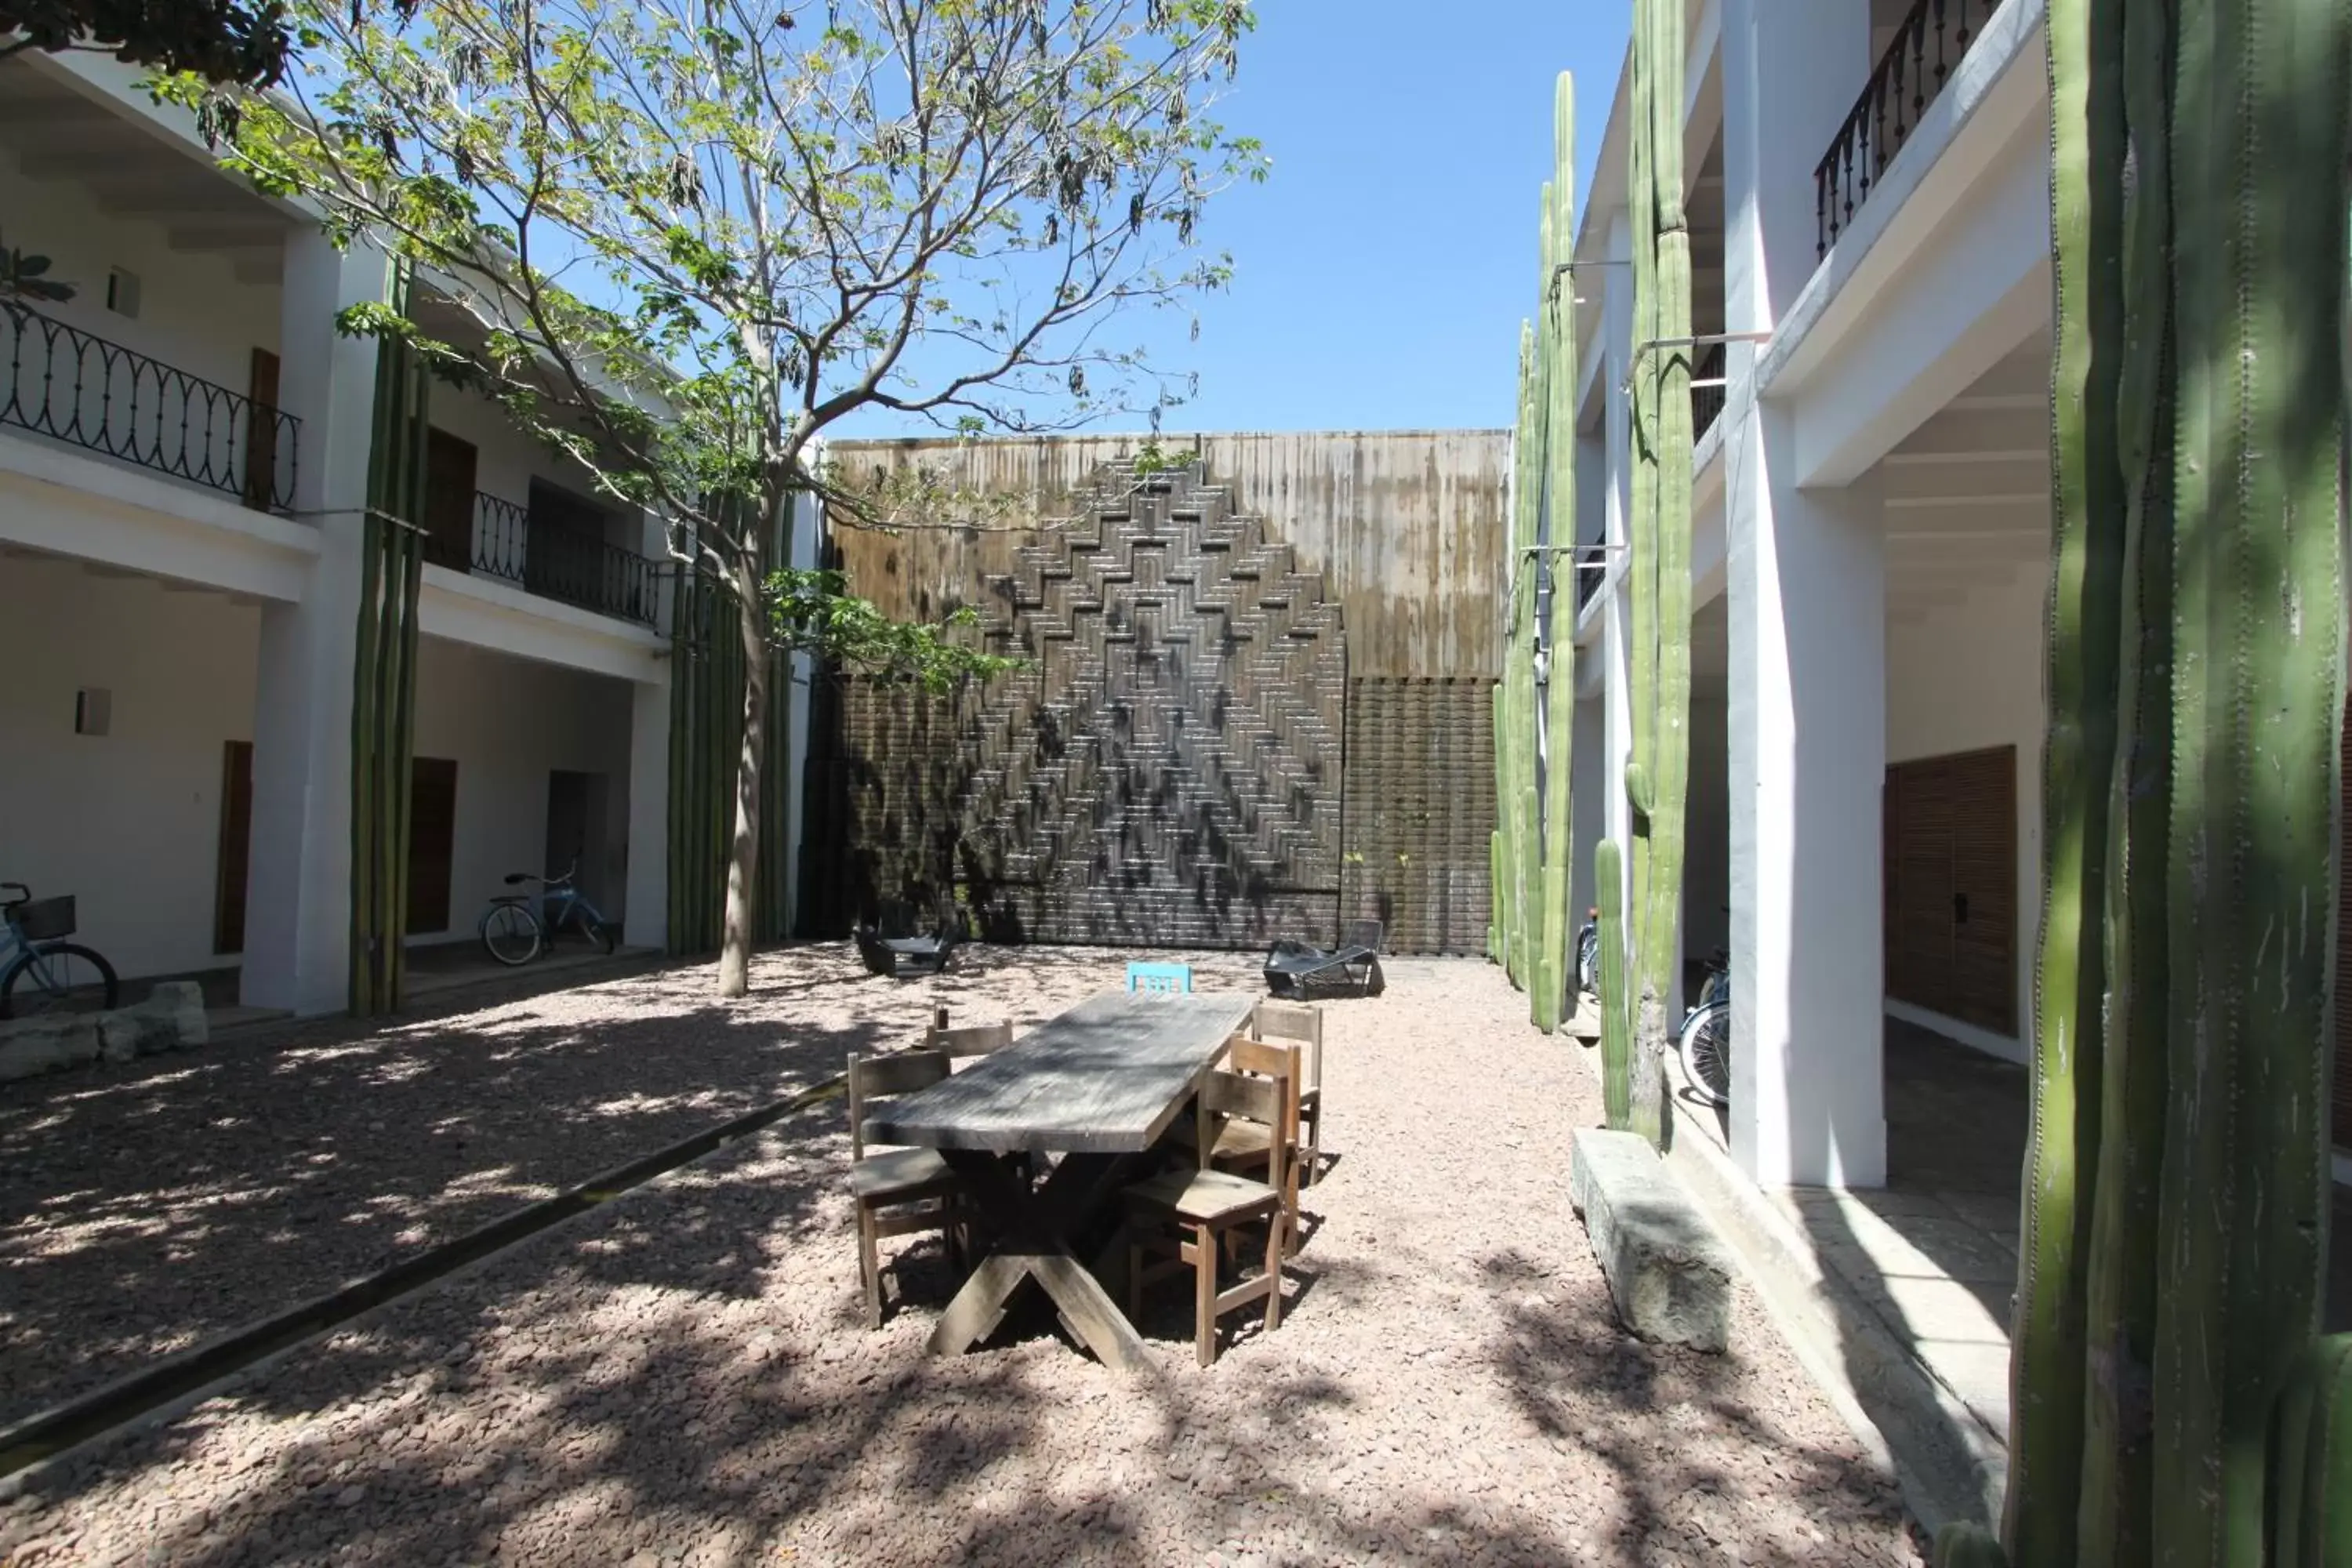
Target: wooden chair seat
(897,1192)
(900,1175)
(1204,1196)
(1205,1207)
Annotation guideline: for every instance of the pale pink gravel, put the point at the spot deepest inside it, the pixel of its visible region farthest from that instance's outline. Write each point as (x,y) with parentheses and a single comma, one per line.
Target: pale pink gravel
(680,1377)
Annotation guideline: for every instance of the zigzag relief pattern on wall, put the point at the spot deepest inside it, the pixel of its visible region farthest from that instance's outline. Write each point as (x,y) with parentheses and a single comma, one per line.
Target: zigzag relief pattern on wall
(1166,769)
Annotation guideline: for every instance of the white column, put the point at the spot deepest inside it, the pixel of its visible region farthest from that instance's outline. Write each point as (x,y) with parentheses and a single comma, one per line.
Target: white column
(647,922)
(298,899)
(1808,763)
(1792,70)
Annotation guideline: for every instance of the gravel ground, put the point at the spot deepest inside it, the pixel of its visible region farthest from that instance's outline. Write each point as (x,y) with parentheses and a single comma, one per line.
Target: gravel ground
(145,1210)
(679,1376)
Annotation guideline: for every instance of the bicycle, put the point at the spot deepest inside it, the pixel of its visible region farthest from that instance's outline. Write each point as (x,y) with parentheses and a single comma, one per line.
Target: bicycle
(47,974)
(514,933)
(1588,955)
(1707,1035)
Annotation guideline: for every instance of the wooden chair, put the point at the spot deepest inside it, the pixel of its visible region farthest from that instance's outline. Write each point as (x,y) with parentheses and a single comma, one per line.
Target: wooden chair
(1205,1207)
(1301,1022)
(972,1040)
(1245,1145)
(1168,977)
(899,1192)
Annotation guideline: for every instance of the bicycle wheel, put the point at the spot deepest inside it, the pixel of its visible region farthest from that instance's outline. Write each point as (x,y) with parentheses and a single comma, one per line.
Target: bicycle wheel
(511,933)
(1706,1053)
(1588,964)
(57,977)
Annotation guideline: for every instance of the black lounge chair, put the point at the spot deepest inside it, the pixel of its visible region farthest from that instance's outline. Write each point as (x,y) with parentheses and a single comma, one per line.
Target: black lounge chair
(895,957)
(1293,968)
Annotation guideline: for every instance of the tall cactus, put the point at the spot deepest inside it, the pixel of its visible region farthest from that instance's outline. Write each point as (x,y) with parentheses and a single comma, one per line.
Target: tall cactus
(1616,1032)
(1514,799)
(1657,779)
(1557,302)
(2168,1405)
(2258,161)
(2311,1466)
(2082,645)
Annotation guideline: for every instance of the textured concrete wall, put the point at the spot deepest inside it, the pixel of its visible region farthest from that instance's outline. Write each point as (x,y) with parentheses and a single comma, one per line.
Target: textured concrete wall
(1407,527)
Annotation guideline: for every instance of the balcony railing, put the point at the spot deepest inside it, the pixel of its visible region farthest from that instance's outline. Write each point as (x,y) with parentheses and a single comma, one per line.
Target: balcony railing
(1909,76)
(559,562)
(1707,389)
(79,388)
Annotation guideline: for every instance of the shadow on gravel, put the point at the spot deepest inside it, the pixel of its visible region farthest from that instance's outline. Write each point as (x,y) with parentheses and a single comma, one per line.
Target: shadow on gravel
(1686,1446)
(142,1211)
(692,1420)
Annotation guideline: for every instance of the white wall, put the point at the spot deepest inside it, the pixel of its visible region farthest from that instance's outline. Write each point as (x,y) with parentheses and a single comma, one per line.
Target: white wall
(194,313)
(129,822)
(1962,680)
(507,459)
(508,722)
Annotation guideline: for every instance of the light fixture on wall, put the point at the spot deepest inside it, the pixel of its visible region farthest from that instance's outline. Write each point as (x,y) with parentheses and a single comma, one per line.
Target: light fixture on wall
(93,711)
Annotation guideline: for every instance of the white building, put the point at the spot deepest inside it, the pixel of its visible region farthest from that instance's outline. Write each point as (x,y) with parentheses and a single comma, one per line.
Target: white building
(183,449)
(1869,201)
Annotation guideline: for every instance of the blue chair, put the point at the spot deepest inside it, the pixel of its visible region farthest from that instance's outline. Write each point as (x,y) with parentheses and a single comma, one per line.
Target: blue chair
(1172,979)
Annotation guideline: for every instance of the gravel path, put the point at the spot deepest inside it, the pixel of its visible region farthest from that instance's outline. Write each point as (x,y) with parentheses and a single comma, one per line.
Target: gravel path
(145,1209)
(679,1377)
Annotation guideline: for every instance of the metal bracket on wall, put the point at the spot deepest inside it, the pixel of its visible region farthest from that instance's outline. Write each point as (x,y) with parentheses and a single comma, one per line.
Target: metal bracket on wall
(1702,339)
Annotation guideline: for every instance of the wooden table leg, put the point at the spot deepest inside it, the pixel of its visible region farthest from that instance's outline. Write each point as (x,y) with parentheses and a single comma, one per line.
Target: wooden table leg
(980,1306)
(1033,1229)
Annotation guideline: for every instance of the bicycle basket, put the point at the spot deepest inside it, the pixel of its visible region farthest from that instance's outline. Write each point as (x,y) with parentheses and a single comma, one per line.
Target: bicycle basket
(43,919)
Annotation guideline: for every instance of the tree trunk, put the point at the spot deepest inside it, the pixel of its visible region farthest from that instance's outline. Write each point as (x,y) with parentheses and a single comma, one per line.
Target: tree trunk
(743,859)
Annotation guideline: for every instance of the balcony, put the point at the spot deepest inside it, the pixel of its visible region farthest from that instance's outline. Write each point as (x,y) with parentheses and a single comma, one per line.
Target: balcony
(77,387)
(567,564)
(1927,45)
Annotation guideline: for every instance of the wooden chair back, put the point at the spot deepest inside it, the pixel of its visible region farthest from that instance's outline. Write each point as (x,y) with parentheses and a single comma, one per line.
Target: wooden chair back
(873,1079)
(972,1040)
(1260,1084)
(1300,1021)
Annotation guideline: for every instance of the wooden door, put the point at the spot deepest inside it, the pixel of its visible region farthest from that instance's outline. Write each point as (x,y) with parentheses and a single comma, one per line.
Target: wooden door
(236,847)
(432,838)
(1949,863)
(261,432)
(449,477)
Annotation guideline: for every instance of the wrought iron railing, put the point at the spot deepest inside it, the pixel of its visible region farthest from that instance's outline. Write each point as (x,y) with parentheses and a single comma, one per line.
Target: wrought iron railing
(79,388)
(562,563)
(1911,74)
(1707,389)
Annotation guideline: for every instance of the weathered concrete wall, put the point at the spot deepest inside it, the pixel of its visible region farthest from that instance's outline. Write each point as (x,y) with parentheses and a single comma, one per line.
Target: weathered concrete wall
(1406,526)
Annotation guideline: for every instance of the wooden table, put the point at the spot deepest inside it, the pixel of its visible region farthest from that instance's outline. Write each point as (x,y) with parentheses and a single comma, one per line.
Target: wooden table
(1097,1086)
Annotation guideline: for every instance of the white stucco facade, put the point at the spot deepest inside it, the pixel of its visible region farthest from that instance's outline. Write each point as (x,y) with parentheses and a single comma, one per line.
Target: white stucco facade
(218,610)
(1871,521)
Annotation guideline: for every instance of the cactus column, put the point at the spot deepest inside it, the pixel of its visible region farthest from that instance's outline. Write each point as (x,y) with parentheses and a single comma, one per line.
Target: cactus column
(383,688)
(1657,778)
(2172,1401)
(1559,307)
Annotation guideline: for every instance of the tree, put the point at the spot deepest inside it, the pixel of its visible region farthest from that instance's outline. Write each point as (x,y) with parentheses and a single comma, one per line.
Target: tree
(220,40)
(692,235)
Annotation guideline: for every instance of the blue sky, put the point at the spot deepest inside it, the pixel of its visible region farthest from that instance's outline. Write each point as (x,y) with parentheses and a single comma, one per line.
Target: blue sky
(1383,269)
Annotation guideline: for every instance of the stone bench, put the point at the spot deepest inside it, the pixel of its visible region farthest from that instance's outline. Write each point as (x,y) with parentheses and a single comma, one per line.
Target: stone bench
(171,1019)
(1669,1274)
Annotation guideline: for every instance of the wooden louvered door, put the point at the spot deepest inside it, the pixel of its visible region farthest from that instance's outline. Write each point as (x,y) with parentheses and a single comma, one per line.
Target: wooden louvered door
(1950,869)
(2340,1120)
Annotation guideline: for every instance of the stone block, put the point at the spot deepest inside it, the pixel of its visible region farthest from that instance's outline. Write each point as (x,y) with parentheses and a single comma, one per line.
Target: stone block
(31,1046)
(170,1018)
(1669,1274)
